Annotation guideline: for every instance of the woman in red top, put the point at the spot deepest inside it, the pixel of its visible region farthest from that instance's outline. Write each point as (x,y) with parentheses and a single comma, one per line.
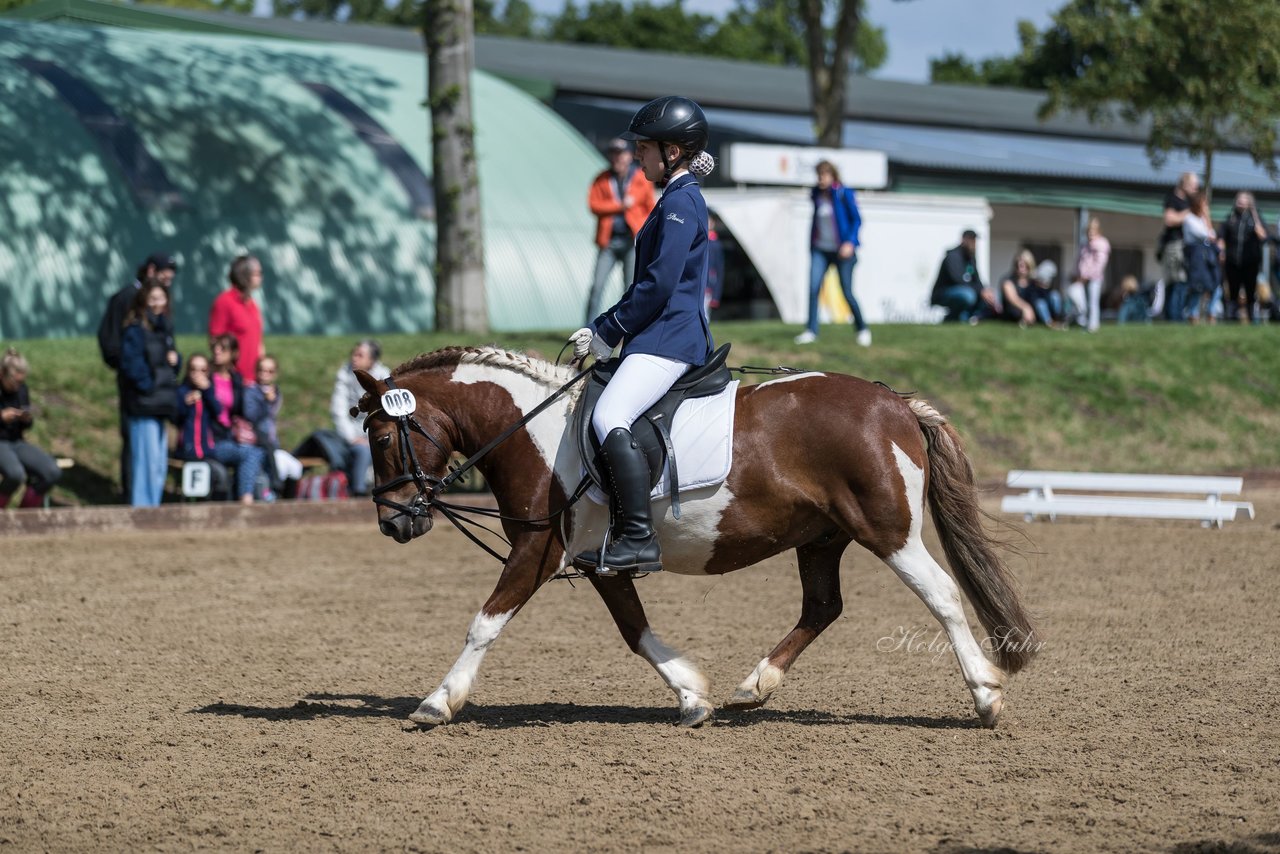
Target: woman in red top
(235,313)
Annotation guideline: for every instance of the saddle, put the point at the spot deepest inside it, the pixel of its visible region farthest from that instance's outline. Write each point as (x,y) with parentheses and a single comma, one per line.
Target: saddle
(651,431)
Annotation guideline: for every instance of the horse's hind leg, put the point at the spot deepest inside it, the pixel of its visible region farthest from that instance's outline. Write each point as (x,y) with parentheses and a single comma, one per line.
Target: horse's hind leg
(919,571)
(689,685)
(820,582)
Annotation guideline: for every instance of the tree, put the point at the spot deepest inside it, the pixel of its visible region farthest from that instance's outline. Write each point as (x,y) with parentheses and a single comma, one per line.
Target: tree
(516,20)
(827,53)
(1205,73)
(1024,70)
(459,269)
(639,26)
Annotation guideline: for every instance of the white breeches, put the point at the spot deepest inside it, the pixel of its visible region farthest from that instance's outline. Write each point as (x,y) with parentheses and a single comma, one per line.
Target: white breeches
(638,383)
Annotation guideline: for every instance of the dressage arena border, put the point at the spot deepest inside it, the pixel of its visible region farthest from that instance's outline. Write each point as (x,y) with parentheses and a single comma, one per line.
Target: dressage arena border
(198,516)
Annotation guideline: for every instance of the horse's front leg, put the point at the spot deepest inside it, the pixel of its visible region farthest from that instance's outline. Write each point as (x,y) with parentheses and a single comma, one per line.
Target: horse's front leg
(689,685)
(820,583)
(533,560)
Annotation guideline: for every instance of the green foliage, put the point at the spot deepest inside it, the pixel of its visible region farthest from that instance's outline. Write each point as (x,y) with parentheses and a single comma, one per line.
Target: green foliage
(772,31)
(641,26)
(1203,72)
(1024,70)
(1174,399)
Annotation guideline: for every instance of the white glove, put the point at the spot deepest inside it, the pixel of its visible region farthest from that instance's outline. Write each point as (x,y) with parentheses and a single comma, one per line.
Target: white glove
(581,341)
(585,341)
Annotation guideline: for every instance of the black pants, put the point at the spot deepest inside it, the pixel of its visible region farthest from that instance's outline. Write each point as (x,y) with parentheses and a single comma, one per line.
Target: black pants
(1240,277)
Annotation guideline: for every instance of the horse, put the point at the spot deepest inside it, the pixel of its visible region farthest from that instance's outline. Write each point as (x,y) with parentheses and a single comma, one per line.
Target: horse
(820,460)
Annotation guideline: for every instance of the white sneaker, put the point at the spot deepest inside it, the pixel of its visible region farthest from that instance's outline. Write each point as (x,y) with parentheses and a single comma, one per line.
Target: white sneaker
(806,337)
(864,338)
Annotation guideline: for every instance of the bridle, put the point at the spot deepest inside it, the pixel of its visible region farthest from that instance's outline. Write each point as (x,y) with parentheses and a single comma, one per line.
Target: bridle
(430,488)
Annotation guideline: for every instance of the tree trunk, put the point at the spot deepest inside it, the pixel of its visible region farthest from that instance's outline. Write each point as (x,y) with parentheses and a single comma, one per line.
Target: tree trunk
(829,70)
(1208,177)
(459,268)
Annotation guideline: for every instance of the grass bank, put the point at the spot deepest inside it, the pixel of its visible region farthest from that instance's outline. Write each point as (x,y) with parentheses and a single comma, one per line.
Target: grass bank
(1135,398)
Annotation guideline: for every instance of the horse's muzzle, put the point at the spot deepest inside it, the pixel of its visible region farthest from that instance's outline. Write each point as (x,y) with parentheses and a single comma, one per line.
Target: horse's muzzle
(402,528)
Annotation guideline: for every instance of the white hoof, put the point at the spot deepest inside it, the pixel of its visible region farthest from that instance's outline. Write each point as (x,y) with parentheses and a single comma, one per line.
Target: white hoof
(757,688)
(430,715)
(989,703)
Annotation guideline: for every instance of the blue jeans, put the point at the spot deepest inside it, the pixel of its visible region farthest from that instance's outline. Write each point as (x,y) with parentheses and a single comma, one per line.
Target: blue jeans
(1176,301)
(820,262)
(148,460)
(959,301)
(247,460)
(1047,306)
(621,250)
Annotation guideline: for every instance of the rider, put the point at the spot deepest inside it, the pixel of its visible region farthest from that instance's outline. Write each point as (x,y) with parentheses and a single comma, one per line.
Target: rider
(659,320)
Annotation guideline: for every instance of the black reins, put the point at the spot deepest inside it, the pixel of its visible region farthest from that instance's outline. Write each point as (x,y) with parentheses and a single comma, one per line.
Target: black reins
(430,488)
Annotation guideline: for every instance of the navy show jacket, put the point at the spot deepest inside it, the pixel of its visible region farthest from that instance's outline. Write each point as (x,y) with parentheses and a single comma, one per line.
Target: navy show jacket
(661,312)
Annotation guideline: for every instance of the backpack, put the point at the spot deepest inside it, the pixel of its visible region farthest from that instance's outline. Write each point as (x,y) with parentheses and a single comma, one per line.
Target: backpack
(331,486)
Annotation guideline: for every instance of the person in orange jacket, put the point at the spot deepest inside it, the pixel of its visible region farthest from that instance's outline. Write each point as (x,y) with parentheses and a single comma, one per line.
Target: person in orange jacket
(621,198)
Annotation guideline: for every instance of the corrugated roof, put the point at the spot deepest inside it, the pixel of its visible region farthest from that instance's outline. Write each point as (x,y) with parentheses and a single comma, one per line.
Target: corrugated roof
(263,165)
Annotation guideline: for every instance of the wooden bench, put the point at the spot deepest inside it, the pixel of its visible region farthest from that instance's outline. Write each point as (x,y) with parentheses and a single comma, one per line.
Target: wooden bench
(1044,496)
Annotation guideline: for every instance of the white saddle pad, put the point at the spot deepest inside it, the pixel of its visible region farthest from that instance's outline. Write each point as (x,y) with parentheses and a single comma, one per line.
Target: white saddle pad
(702,433)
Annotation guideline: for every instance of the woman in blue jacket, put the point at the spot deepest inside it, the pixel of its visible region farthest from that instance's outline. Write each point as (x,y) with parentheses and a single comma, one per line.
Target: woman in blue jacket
(659,321)
(833,241)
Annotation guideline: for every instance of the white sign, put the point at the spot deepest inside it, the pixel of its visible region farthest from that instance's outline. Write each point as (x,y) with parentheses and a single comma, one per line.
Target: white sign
(397,402)
(794,165)
(197,478)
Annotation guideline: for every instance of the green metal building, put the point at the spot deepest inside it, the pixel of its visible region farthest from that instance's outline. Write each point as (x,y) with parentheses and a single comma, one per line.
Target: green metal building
(118,139)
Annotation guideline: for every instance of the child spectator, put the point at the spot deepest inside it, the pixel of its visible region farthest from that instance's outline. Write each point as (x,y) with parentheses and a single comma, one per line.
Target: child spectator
(234,439)
(262,402)
(1091,266)
(1266,308)
(1045,298)
(149,363)
(20,460)
(194,417)
(1134,308)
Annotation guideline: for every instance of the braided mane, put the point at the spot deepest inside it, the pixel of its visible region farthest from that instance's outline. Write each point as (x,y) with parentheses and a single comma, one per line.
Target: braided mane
(521,363)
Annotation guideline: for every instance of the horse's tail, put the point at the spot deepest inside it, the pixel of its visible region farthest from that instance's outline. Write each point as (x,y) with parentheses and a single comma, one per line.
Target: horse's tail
(971,551)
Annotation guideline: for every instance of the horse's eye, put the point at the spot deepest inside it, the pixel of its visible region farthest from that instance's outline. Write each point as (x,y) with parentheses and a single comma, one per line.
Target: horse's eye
(384,440)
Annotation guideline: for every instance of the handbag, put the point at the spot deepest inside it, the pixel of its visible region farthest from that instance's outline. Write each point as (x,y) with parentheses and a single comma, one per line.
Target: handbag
(242,432)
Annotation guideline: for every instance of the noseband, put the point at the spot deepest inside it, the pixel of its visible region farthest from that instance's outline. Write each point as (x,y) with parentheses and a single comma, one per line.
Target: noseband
(401,407)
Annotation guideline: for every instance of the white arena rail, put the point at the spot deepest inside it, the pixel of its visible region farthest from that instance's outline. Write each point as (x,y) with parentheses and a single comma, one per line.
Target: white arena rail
(1043,496)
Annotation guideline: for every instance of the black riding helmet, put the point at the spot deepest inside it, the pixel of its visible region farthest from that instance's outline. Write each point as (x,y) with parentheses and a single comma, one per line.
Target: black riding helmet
(671,118)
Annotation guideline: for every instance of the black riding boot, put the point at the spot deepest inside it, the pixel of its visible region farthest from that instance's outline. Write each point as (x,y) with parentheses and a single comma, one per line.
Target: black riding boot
(633,547)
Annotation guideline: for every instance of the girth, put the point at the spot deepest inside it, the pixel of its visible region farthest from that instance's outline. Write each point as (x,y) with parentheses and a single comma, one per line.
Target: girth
(651,431)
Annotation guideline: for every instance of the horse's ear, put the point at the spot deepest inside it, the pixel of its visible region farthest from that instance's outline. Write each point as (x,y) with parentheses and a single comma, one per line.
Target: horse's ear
(367,382)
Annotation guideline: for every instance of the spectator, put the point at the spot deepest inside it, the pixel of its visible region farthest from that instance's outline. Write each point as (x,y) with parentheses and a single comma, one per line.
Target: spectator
(234,312)
(1267,310)
(233,436)
(19,459)
(621,198)
(365,356)
(1134,308)
(833,241)
(1243,238)
(158,267)
(1045,298)
(1170,249)
(1015,290)
(194,417)
(1091,267)
(959,288)
(262,403)
(149,364)
(1200,250)
(715,267)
